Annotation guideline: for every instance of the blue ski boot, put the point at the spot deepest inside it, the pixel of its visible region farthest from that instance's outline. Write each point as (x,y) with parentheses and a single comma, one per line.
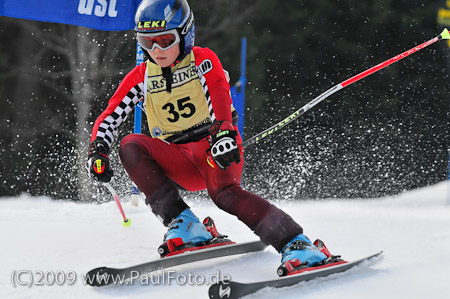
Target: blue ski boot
(187,233)
(300,254)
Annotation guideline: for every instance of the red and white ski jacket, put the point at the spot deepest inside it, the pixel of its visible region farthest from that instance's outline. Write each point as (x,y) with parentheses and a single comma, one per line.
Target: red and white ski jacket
(200,94)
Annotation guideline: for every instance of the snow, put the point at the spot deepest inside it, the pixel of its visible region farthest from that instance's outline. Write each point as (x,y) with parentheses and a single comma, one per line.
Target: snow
(43,236)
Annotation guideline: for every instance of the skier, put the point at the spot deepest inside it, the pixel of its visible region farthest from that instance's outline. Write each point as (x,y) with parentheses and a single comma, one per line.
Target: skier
(193,142)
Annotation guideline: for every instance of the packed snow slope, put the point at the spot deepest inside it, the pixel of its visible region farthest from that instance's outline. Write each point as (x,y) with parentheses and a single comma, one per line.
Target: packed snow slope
(42,237)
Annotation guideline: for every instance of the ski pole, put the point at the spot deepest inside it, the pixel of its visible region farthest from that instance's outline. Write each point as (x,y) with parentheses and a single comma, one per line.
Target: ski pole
(126,221)
(444,35)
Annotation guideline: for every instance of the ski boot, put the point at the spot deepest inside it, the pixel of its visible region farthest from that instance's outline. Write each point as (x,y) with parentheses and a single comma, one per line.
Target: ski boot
(187,233)
(300,255)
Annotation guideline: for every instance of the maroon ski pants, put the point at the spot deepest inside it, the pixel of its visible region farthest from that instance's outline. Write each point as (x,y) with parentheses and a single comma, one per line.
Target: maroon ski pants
(154,164)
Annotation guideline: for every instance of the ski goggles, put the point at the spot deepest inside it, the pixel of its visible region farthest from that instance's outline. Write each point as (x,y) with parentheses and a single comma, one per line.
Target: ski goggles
(163,40)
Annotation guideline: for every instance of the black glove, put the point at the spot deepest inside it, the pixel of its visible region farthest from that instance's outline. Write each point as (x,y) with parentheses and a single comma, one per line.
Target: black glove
(224,149)
(98,161)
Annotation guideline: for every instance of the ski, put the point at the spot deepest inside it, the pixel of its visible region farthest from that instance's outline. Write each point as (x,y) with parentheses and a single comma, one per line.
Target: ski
(231,289)
(105,275)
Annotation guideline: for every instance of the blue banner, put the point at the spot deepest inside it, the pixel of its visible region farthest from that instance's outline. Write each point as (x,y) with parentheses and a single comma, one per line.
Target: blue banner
(108,15)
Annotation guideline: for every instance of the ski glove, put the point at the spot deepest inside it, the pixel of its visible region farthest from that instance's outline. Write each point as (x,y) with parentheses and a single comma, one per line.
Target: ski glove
(224,149)
(98,161)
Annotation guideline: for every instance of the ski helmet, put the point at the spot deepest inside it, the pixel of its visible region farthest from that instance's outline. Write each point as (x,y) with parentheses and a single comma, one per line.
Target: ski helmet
(161,15)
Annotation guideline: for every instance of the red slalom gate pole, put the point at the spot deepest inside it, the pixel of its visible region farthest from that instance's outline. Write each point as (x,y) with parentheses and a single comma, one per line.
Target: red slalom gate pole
(444,35)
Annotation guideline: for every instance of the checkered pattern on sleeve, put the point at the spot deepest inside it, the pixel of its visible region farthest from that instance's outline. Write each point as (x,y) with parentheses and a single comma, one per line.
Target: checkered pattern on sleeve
(108,129)
(212,116)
